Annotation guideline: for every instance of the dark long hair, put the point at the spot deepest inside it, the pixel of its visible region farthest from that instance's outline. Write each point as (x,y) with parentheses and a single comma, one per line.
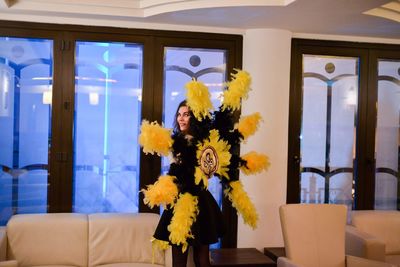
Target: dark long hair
(176,129)
(196,128)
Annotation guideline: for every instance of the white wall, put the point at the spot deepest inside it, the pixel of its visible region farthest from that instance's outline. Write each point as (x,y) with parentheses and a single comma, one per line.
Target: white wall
(266,55)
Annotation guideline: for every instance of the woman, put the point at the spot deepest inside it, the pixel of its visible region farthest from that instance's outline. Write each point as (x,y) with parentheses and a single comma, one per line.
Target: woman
(208,225)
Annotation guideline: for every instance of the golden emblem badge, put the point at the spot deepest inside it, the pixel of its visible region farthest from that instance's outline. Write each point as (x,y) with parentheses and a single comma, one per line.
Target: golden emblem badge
(209,161)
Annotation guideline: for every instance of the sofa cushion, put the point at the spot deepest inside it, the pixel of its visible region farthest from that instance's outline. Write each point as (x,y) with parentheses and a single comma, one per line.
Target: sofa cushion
(134,264)
(48,239)
(122,238)
(11,263)
(383,224)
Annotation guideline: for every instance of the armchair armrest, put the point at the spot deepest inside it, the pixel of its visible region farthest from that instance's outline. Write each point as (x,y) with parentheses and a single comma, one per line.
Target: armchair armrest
(3,243)
(286,262)
(364,245)
(352,261)
(3,250)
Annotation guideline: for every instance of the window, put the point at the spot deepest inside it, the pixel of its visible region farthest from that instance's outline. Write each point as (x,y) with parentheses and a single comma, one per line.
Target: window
(71,102)
(335,125)
(26,66)
(108,93)
(182,65)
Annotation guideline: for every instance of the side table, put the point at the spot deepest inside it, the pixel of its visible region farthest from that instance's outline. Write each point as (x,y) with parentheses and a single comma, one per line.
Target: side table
(234,257)
(274,253)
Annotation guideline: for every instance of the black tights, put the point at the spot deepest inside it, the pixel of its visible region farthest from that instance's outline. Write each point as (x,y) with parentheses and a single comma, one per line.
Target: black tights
(200,256)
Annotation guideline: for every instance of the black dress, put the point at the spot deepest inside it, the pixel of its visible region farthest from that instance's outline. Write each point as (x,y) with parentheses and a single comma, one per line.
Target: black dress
(208,226)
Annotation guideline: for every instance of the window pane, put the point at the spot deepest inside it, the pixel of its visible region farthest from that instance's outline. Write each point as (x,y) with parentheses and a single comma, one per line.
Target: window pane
(180,66)
(26,67)
(387,147)
(330,86)
(108,90)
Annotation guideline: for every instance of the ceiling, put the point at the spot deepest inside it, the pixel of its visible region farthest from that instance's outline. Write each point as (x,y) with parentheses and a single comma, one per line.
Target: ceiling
(367,18)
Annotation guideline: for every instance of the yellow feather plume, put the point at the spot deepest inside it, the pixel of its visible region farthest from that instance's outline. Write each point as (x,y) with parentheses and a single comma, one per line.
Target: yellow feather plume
(158,248)
(200,176)
(198,99)
(159,244)
(163,192)
(248,125)
(238,89)
(154,138)
(185,213)
(255,163)
(242,203)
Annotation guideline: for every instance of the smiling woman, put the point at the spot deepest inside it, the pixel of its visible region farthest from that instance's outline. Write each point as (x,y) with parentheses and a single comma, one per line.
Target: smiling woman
(183,118)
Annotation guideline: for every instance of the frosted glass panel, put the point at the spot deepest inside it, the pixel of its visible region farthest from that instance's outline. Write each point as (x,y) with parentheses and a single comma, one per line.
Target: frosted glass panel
(387,147)
(26,67)
(330,90)
(108,91)
(180,66)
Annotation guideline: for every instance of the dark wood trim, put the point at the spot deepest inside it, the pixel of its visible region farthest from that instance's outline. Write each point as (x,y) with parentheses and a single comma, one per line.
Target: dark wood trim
(362,182)
(344,44)
(150,165)
(67,117)
(295,103)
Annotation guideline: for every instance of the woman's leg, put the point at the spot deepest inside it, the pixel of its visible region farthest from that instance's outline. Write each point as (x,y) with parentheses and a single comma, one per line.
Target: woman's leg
(179,259)
(201,256)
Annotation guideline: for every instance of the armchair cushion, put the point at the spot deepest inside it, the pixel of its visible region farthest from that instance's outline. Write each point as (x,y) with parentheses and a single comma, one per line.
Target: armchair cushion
(352,261)
(314,234)
(382,224)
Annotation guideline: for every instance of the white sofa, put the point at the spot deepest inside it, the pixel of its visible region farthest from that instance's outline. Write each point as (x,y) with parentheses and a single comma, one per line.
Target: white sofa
(374,234)
(81,240)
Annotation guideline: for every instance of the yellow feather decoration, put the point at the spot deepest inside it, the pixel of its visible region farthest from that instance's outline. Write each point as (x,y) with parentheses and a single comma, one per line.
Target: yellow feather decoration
(241,201)
(154,138)
(158,246)
(238,89)
(185,213)
(200,176)
(198,99)
(248,125)
(255,163)
(163,192)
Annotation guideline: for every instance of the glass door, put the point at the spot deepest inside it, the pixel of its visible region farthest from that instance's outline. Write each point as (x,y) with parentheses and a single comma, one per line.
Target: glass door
(344,126)
(387,139)
(26,78)
(181,65)
(108,97)
(327,138)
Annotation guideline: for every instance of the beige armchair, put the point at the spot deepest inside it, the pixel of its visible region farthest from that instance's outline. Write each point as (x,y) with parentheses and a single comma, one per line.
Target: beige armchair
(314,236)
(374,234)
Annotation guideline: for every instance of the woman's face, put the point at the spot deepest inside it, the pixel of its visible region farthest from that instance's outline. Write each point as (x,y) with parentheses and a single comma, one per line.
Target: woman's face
(183,118)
